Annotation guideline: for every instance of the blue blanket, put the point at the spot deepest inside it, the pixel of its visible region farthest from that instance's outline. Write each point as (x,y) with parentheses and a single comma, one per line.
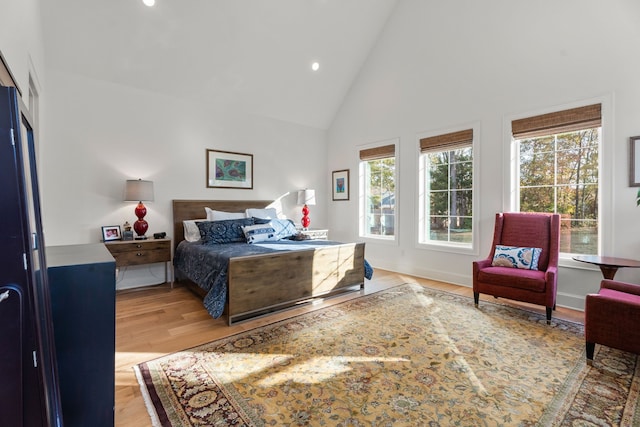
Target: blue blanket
(206,265)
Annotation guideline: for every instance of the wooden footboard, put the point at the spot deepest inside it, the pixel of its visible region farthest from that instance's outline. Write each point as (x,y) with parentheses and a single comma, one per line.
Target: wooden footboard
(261,284)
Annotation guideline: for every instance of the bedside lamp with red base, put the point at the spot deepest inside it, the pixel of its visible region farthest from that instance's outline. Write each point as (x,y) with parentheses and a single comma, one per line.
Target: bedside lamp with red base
(139,191)
(306,198)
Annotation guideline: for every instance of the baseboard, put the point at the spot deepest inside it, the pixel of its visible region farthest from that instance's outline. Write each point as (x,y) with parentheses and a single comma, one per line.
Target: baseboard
(563,299)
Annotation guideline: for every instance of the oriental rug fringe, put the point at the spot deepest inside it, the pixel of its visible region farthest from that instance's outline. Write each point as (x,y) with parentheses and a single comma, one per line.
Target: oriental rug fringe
(407,356)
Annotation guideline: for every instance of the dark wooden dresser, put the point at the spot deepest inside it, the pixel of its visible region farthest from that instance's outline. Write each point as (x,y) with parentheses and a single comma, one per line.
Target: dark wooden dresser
(82,284)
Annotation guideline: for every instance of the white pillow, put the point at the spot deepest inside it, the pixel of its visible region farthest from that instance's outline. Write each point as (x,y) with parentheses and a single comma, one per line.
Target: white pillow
(191,230)
(516,257)
(267,213)
(221,215)
(259,233)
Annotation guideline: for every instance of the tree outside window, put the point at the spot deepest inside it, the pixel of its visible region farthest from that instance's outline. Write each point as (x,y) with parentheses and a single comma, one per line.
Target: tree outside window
(380,197)
(449,184)
(559,174)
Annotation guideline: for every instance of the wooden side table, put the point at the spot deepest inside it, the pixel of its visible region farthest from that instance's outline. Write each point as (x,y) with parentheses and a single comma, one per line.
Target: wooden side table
(608,265)
(315,234)
(137,252)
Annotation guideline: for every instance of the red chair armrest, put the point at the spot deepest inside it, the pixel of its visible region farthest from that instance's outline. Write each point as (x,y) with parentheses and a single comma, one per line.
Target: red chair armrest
(551,270)
(480,264)
(483,263)
(629,288)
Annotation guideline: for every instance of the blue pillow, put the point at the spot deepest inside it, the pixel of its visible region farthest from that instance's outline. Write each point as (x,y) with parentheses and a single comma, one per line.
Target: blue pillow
(225,231)
(516,257)
(283,227)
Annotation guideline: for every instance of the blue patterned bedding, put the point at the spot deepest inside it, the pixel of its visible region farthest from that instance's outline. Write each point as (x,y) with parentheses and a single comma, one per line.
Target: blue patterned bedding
(206,265)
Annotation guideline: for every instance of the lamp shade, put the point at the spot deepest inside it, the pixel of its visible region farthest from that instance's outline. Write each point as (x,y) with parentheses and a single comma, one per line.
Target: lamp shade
(307,197)
(137,190)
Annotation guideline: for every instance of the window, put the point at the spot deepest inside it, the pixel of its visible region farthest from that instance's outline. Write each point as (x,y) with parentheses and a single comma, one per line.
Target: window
(446,202)
(378,183)
(558,171)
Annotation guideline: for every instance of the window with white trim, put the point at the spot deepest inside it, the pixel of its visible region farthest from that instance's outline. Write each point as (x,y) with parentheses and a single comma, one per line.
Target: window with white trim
(378,183)
(557,171)
(446,196)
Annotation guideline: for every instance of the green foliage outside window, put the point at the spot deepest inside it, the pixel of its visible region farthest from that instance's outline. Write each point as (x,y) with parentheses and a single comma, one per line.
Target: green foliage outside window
(559,174)
(450,195)
(380,197)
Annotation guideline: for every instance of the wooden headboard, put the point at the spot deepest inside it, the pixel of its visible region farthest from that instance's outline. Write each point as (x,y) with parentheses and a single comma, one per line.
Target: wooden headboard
(194,209)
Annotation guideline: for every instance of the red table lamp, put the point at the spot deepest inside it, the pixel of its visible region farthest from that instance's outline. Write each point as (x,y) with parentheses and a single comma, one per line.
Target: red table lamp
(139,191)
(306,198)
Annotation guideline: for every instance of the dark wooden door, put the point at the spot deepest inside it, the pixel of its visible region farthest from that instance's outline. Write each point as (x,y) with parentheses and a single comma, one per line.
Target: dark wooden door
(29,394)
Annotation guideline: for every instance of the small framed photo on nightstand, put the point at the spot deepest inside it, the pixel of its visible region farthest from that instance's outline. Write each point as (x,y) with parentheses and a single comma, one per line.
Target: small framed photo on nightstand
(111,232)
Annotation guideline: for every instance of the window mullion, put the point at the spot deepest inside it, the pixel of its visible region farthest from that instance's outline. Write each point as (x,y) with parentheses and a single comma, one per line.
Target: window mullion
(449,195)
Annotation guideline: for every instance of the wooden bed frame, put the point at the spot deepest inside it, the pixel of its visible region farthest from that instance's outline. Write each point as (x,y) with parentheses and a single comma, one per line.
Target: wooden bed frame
(262,284)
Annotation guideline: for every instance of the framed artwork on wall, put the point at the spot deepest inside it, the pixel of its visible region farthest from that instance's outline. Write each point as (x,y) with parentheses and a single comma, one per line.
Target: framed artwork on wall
(340,184)
(226,169)
(111,232)
(634,164)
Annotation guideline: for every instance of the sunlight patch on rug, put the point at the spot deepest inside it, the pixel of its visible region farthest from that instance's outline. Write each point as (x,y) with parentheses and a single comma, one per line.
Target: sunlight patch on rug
(404,356)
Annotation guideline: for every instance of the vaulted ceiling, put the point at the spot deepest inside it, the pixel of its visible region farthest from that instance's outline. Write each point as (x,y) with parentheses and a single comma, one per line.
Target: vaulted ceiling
(253,56)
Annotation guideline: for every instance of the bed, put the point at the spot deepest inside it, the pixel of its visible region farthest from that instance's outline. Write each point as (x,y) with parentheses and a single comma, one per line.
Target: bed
(266,281)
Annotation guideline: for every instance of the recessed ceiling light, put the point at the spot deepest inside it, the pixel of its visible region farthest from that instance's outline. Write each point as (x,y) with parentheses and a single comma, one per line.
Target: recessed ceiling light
(315,66)
(149,2)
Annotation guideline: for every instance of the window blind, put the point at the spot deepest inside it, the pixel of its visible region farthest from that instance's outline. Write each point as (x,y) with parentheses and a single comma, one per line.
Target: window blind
(571,120)
(378,152)
(447,141)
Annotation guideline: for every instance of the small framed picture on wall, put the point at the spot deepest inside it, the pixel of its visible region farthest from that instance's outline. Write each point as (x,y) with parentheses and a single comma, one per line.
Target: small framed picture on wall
(226,169)
(340,184)
(634,164)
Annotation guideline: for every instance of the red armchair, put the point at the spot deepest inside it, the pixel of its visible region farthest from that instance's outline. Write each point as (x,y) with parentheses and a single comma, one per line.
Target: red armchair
(612,317)
(522,229)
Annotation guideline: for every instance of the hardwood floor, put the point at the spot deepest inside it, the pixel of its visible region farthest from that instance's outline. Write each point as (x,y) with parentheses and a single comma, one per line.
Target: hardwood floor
(155,321)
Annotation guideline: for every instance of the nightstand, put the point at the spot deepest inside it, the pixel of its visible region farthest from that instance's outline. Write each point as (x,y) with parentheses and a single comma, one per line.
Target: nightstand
(315,234)
(137,252)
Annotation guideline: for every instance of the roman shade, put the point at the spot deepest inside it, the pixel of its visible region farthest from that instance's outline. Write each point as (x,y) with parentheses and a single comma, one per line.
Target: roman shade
(378,152)
(447,141)
(574,119)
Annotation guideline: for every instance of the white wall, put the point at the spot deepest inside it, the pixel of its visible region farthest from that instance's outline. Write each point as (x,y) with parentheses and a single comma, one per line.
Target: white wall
(438,64)
(442,64)
(21,42)
(99,134)
(94,135)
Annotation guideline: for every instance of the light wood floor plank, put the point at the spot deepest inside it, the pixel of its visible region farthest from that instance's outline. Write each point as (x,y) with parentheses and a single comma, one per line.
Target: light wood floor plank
(154,321)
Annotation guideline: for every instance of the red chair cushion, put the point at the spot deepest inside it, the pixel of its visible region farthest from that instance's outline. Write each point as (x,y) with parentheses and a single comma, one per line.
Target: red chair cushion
(532,280)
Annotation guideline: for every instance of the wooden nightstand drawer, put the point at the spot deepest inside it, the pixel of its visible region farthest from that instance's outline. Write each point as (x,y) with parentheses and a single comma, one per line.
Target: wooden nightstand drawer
(136,252)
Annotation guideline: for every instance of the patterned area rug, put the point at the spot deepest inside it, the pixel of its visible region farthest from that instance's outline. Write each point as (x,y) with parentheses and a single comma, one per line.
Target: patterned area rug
(408,356)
